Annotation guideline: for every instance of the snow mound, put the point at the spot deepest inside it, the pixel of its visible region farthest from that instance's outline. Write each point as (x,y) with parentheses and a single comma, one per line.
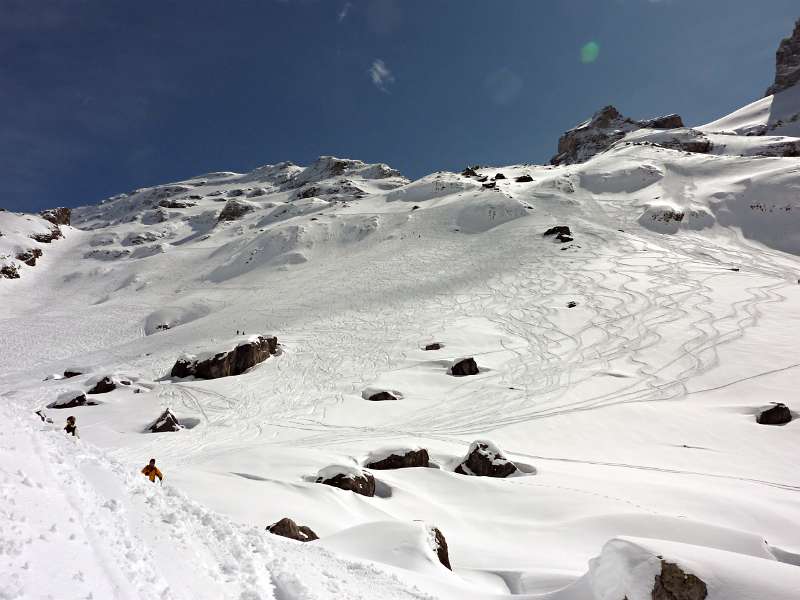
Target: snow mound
(626,176)
(627,567)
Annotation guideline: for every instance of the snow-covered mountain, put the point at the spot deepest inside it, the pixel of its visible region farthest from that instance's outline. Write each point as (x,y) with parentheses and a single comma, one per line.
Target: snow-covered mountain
(295,342)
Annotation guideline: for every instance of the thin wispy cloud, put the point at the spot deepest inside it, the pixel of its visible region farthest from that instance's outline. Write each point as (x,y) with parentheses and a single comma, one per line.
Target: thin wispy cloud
(343,12)
(380,75)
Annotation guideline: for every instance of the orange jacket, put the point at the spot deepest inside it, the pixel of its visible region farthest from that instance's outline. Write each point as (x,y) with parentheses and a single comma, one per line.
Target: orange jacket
(152,473)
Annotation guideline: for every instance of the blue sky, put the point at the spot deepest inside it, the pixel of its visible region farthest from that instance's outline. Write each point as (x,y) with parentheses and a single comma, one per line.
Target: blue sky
(102,96)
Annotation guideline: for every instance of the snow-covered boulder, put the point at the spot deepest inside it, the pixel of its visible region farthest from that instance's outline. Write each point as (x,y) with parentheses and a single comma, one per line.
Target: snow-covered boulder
(779,414)
(397,458)
(103,386)
(348,477)
(70,399)
(787,62)
(485,459)
(164,423)
(379,394)
(559,233)
(434,346)
(289,529)
(246,354)
(463,367)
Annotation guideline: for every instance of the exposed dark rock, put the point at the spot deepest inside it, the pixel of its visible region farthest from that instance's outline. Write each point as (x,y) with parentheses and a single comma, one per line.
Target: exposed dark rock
(441,547)
(787,62)
(404,460)
(235,193)
(491,185)
(484,459)
(674,584)
(415,207)
(561,233)
(166,422)
(9,272)
(484,178)
(434,346)
(57,216)
(103,386)
(289,529)
(230,362)
(524,179)
(29,256)
(499,176)
(382,396)
(170,203)
(463,367)
(234,209)
(363,484)
(469,172)
(606,127)
(776,415)
(68,374)
(572,304)
(46,238)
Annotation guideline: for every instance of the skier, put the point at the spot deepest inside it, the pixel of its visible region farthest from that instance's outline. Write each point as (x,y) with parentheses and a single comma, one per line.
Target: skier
(71,428)
(151,471)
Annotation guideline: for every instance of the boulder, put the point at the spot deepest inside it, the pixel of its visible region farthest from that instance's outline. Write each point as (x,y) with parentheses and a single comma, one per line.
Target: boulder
(70,399)
(234,209)
(672,583)
(57,216)
(68,374)
(381,396)
(524,179)
(463,367)
(499,176)
(433,346)
(46,238)
(170,203)
(227,363)
(398,459)
(9,272)
(469,172)
(787,62)
(572,304)
(560,233)
(105,385)
(491,185)
(439,544)
(289,529)
(484,459)
(164,423)
(779,414)
(351,479)
(29,256)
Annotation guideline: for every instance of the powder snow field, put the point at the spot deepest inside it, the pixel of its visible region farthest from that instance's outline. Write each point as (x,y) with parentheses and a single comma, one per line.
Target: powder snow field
(631,415)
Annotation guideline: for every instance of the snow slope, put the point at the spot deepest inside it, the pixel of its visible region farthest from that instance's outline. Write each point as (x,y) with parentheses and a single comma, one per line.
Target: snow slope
(630,415)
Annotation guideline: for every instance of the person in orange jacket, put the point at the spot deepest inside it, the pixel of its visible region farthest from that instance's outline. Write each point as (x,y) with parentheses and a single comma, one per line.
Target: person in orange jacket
(151,471)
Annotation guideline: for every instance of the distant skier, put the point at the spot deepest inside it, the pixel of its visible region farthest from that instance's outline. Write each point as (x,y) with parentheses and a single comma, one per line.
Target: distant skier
(151,471)
(71,428)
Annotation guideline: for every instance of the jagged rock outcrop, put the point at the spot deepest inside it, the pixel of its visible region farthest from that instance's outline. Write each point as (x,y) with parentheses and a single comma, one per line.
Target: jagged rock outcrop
(227,363)
(672,583)
(234,209)
(348,478)
(469,172)
(289,529)
(606,127)
(463,367)
(9,272)
(105,385)
(779,414)
(57,216)
(399,459)
(166,422)
(485,459)
(787,62)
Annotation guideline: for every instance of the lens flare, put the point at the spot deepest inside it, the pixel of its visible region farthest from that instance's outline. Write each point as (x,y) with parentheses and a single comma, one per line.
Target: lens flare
(590,52)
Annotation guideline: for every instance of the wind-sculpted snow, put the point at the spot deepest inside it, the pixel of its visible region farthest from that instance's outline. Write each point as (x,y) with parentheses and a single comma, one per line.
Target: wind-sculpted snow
(620,368)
